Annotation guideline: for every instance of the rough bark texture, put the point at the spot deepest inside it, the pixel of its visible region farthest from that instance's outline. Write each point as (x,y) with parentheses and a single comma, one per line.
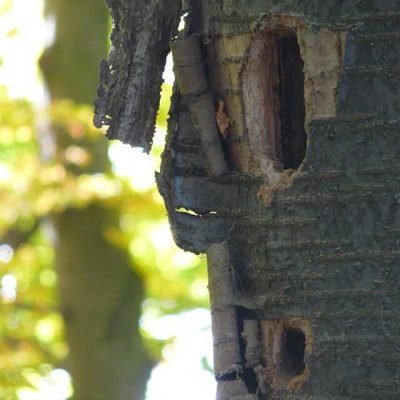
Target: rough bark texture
(130,82)
(100,295)
(313,252)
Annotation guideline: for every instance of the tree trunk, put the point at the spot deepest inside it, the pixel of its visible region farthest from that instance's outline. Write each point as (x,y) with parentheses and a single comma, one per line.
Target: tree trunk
(308,215)
(100,294)
(302,231)
(100,299)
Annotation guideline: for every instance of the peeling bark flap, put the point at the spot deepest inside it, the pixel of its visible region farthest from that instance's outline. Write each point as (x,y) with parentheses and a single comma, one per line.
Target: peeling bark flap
(130,82)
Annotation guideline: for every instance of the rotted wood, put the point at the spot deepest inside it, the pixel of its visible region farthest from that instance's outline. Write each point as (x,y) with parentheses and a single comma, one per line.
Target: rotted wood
(130,81)
(261,86)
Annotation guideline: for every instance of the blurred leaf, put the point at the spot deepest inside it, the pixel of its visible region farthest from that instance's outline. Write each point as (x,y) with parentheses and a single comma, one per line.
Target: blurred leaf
(5,6)
(12,32)
(206,365)
(165,101)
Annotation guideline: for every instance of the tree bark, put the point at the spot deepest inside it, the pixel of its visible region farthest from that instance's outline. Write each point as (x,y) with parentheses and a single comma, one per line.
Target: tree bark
(307,239)
(100,294)
(130,81)
(311,241)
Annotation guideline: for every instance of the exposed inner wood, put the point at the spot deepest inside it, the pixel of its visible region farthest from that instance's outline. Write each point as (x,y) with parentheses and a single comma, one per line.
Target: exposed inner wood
(286,344)
(273,94)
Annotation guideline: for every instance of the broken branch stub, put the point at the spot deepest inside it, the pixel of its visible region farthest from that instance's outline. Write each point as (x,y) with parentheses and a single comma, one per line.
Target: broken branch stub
(192,82)
(130,82)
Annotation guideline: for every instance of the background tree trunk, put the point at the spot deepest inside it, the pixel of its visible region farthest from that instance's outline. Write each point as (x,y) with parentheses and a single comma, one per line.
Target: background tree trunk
(100,294)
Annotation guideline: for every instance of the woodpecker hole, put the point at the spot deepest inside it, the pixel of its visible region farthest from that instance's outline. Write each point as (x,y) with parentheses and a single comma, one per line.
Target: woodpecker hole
(292,141)
(293,344)
(273,94)
(286,346)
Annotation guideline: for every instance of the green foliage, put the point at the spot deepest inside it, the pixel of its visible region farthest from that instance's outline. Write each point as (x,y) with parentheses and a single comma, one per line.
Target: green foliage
(30,324)
(165,101)
(52,161)
(31,330)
